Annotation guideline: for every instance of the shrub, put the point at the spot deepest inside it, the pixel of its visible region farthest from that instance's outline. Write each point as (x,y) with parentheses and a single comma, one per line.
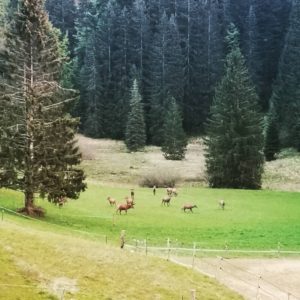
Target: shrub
(159,178)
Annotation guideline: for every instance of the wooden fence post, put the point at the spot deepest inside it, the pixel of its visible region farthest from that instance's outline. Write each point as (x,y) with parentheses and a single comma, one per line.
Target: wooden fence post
(193,294)
(122,239)
(194,254)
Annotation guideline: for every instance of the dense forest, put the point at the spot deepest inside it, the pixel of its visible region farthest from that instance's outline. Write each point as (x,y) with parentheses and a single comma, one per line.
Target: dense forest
(175,49)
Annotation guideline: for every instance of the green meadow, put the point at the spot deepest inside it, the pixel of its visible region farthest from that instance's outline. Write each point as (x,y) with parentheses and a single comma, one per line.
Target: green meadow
(256,220)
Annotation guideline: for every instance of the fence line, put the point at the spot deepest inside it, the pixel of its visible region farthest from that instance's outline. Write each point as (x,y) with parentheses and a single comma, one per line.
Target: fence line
(166,251)
(215,250)
(49,223)
(148,249)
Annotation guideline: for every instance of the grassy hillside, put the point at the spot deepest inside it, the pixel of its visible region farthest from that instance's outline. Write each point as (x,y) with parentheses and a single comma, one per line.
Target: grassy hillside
(42,264)
(251,219)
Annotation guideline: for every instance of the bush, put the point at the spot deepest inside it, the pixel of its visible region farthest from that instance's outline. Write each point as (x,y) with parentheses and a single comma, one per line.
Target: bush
(159,178)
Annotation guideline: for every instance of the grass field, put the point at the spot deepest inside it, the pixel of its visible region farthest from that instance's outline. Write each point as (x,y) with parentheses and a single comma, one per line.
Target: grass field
(251,219)
(39,263)
(66,252)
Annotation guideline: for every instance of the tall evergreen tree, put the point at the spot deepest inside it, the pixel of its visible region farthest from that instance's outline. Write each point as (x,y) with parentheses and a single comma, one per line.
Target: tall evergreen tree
(175,141)
(166,74)
(272,143)
(286,92)
(37,148)
(268,42)
(234,156)
(135,135)
(62,14)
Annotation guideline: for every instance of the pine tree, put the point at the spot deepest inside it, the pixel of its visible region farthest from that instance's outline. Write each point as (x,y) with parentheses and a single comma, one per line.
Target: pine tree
(234,140)
(271,26)
(272,143)
(38,153)
(166,74)
(286,92)
(135,136)
(175,141)
(62,14)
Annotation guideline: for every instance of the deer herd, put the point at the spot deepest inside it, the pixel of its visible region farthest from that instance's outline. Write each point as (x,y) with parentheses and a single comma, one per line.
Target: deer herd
(165,201)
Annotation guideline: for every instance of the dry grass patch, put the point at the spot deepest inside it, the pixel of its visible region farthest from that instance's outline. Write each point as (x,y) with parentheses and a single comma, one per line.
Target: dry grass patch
(283,173)
(109,162)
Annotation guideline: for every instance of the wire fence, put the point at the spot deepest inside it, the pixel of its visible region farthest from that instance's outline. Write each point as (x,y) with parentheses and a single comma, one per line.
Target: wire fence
(216,263)
(4,210)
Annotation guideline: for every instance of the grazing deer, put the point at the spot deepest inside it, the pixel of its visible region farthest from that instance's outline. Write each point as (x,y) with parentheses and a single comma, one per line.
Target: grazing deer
(111,201)
(125,207)
(172,191)
(129,200)
(61,201)
(166,200)
(189,206)
(222,204)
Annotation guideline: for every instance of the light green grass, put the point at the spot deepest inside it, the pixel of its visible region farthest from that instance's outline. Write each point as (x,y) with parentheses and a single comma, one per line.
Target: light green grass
(53,263)
(251,219)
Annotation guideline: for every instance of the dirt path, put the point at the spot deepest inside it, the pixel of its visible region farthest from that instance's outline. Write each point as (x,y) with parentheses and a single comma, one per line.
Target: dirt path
(265,279)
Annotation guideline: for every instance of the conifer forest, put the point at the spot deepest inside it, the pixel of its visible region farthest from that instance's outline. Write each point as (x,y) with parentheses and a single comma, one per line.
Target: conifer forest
(228,70)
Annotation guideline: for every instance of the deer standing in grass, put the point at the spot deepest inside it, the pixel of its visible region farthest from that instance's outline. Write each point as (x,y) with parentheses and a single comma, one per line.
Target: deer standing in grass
(166,200)
(172,191)
(111,201)
(129,200)
(189,206)
(222,204)
(124,207)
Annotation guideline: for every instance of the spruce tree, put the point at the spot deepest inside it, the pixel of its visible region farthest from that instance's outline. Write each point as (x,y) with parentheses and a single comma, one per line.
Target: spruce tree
(38,153)
(272,143)
(135,135)
(62,14)
(286,92)
(175,141)
(234,157)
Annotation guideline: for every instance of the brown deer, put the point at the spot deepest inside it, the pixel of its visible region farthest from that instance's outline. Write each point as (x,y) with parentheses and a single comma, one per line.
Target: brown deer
(222,204)
(111,201)
(61,201)
(189,206)
(172,191)
(166,200)
(129,200)
(125,207)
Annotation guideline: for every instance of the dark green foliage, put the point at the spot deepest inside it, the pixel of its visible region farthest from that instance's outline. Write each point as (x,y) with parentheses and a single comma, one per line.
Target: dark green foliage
(135,135)
(62,14)
(272,143)
(166,74)
(286,93)
(176,48)
(175,141)
(234,141)
(37,148)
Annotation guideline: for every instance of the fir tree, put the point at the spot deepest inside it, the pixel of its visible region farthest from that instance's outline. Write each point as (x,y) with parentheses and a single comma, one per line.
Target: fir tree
(286,92)
(272,143)
(234,140)
(175,141)
(62,14)
(38,153)
(135,136)
(167,74)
